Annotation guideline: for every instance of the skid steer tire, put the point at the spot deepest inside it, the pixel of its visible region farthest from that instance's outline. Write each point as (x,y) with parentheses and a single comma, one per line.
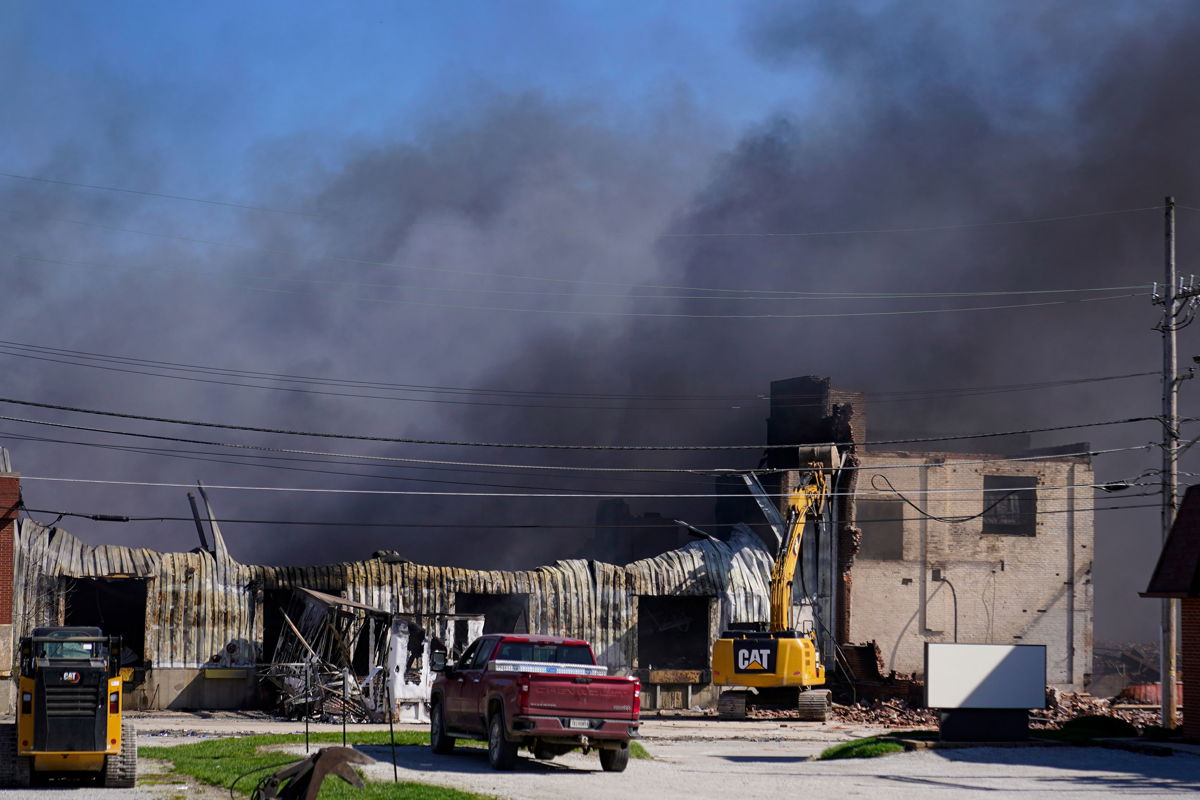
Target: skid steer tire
(15,772)
(814,705)
(120,770)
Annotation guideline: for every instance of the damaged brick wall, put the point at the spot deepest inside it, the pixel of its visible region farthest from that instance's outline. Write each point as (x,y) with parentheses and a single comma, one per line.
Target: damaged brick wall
(953,577)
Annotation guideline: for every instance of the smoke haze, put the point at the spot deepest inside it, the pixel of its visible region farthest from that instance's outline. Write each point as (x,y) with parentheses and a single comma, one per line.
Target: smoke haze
(516,242)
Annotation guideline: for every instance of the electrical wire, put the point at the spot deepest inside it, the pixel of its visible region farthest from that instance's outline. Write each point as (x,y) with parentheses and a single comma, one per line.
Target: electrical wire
(43,353)
(144,193)
(200,455)
(958,226)
(734,292)
(532,446)
(587,312)
(916,229)
(410,479)
(927,515)
(514,495)
(745,296)
(466,525)
(515,469)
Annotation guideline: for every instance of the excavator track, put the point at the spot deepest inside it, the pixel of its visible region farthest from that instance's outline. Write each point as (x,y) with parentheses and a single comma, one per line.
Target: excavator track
(732,704)
(814,705)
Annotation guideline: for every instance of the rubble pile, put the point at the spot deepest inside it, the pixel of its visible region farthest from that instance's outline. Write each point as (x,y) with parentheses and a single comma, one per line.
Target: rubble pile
(1060,707)
(1063,706)
(888,713)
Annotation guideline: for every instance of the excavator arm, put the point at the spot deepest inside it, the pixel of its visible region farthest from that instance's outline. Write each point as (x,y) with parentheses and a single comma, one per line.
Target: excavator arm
(806,501)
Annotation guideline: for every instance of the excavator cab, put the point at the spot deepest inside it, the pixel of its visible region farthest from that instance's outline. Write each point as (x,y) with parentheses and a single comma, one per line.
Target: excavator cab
(69,710)
(775,662)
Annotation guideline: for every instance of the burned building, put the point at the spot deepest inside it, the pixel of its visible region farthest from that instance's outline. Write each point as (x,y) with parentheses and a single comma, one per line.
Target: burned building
(950,546)
(202,630)
(919,546)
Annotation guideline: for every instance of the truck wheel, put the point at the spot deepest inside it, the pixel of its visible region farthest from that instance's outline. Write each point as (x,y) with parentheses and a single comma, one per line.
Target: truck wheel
(502,754)
(615,760)
(120,771)
(14,771)
(439,742)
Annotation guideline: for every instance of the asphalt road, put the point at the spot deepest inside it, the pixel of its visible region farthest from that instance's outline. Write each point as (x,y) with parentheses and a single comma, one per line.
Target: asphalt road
(705,758)
(728,769)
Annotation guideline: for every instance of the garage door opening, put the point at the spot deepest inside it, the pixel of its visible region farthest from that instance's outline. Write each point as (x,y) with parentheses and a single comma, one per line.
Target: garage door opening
(673,632)
(116,606)
(502,613)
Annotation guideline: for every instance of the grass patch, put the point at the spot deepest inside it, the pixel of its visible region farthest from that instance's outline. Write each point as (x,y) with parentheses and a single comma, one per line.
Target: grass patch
(870,747)
(220,762)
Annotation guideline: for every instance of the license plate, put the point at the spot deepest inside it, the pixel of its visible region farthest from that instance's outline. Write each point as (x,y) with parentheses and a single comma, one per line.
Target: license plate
(582,724)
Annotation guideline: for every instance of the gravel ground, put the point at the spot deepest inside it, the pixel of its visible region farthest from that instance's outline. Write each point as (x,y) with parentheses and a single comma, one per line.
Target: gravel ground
(695,757)
(689,770)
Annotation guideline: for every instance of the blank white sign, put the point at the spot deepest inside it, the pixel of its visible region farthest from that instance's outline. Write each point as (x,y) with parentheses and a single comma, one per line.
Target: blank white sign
(985,675)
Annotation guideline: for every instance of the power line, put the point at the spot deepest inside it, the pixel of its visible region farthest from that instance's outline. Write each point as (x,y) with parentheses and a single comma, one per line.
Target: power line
(518,495)
(746,295)
(530,446)
(585,312)
(733,292)
(40,354)
(875,396)
(509,468)
(918,229)
(470,525)
(202,456)
(847,232)
(143,193)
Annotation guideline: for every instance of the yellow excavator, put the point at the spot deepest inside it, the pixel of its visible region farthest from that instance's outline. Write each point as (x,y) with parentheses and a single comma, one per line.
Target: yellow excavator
(781,665)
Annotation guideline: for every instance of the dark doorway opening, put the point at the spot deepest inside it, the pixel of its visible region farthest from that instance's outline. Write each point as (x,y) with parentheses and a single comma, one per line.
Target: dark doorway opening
(502,613)
(117,606)
(673,632)
(275,603)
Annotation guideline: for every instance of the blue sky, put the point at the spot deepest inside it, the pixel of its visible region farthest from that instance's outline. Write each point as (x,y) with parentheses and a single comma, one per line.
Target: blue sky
(219,78)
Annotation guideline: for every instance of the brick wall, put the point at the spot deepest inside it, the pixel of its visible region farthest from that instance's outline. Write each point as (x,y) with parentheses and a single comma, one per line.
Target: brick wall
(1190,621)
(1010,589)
(10,494)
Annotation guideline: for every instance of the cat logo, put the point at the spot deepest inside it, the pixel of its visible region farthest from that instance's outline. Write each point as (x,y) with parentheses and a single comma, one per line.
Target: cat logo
(753,659)
(70,677)
(754,656)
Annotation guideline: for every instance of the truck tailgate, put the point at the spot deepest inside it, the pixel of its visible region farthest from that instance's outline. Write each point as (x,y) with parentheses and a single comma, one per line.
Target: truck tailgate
(581,696)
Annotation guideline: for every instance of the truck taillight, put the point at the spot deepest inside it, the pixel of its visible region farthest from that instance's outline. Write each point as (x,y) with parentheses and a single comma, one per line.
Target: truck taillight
(114,702)
(637,698)
(523,694)
(26,703)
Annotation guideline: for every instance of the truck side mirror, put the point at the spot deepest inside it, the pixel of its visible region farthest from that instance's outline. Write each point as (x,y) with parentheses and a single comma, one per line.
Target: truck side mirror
(437,661)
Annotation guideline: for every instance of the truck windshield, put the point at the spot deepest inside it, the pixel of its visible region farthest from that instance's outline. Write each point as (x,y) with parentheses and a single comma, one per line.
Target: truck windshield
(70,651)
(551,653)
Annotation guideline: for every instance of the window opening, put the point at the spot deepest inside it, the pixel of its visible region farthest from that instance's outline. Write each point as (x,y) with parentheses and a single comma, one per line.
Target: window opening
(882,525)
(1011,505)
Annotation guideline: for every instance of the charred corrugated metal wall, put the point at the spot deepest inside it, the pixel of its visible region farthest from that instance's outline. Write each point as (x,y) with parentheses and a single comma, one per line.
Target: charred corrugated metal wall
(204,612)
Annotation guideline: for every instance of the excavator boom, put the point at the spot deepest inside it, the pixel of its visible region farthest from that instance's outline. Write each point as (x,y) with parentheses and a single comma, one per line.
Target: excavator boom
(780,658)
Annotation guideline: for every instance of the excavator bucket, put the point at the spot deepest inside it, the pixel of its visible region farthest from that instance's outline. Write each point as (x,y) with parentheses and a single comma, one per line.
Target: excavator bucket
(827,457)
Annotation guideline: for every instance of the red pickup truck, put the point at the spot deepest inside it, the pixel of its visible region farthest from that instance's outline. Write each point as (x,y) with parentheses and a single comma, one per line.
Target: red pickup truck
(541,692)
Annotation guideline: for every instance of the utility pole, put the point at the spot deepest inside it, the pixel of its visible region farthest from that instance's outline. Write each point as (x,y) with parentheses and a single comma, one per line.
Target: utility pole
(1170,475)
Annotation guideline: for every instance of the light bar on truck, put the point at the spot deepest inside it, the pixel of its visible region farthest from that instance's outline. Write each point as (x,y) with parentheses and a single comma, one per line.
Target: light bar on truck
(548,668)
